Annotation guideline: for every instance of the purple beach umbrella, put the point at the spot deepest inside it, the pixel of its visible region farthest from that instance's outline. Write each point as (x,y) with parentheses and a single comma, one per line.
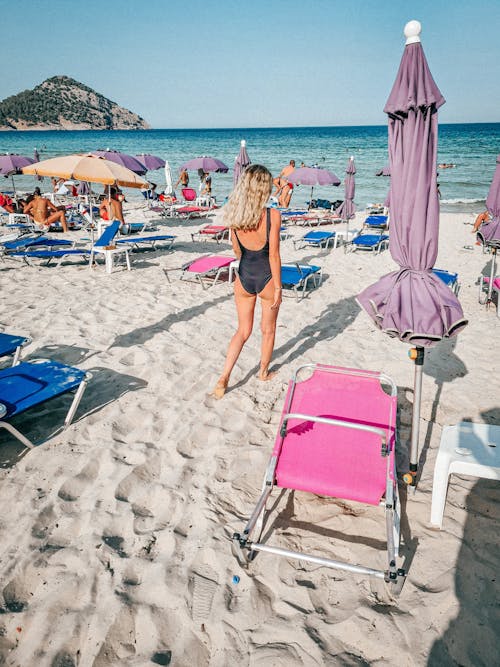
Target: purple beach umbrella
(151,162)
(206,163)
(412,303)
(12,164)
(313,176)
(489,232)
(385,171)
(241,163)
(347,209)
(126,160)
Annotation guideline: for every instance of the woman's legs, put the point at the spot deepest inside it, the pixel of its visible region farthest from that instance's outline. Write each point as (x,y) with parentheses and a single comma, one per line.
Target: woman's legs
(245,306)
(268,328)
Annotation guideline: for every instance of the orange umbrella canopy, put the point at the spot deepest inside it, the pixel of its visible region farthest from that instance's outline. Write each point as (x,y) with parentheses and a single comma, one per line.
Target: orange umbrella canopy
(87,168)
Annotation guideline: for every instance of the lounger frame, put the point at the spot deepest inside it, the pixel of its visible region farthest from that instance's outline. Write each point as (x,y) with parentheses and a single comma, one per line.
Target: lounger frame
(244,549)
(375,248)
(207,278)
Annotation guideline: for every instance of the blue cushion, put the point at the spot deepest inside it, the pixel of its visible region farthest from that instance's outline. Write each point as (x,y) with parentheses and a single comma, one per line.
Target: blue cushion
(318,236)
(369,239)
(10,343)
(29,384)
(446,276)
(290,275)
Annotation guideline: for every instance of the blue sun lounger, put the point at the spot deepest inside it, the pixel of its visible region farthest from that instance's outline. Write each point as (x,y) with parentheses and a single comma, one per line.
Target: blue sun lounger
(31,383)
(299,276)
(316,239)
(368,240)
(449,278)
(165,240)
(376,222)
(12,345)
(104,244)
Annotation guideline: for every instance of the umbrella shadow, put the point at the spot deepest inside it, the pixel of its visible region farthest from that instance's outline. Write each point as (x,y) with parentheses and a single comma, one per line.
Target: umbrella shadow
(331,322)
(44,421)
(472,637)
(444,366)
(143,334)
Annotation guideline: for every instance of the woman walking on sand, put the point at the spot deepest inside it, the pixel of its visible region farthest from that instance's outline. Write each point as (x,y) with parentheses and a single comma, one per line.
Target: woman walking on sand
(256,242)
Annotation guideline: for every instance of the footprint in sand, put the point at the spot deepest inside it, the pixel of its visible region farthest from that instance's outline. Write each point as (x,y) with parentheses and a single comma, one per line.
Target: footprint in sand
(73,487)
(205,583)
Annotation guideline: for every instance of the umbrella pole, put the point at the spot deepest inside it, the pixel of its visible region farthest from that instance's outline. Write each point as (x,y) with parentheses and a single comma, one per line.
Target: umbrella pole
(417,354)
(15,193)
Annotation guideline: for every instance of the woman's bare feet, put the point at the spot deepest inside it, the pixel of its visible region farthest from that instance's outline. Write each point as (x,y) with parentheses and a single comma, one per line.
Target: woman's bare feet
(220,389)
(265,376)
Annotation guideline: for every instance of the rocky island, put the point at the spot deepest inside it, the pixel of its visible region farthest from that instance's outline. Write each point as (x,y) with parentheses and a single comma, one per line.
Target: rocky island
(61,103)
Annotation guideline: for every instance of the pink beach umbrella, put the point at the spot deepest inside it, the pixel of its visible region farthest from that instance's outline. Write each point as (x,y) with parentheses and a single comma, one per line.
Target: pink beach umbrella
(206,163)
(412,303)
(123,159)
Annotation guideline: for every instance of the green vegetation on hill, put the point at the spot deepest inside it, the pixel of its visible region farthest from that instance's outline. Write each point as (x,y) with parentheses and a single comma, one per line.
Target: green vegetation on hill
(61,102)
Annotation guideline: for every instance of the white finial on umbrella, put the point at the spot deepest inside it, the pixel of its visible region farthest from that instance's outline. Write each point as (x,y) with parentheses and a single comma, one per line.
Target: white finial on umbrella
(412,31)
(243,143)
(352,157)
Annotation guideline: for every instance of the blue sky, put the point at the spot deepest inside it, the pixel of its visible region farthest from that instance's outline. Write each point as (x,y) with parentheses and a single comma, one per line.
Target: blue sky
(258,63)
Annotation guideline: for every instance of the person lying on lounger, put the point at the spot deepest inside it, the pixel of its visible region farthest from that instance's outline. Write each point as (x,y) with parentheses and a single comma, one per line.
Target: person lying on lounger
(256,242)
(44,213)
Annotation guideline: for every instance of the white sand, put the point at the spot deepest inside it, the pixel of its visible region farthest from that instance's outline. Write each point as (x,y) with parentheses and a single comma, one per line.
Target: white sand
(115,544)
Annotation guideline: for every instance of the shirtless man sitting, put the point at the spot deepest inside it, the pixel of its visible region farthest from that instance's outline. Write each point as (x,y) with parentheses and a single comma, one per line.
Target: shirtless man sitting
(44,212)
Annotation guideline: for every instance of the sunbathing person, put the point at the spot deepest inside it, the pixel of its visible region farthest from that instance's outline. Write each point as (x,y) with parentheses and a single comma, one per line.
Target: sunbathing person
(7,203)
(112,209)
(482,217)
(44,213)
(256,242)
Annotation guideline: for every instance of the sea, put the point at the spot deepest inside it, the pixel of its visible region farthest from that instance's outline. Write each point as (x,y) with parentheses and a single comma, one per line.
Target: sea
(471,149)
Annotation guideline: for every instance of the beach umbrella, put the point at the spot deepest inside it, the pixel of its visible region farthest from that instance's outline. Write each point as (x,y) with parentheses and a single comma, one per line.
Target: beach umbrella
(206,163)
(89,168)
(312,176)
(169,188)
(241,162)
(123,159)
(151,162)
(347,209)
(412,303)
(490,231)
(12,164)
(385,171)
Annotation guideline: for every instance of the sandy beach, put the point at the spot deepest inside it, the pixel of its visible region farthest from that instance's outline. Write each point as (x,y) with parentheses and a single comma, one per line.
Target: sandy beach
(116,533)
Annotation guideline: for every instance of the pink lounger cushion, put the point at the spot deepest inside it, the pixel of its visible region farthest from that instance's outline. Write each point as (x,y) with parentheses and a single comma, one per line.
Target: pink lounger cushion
(209,263)
(334,460)
(213,229)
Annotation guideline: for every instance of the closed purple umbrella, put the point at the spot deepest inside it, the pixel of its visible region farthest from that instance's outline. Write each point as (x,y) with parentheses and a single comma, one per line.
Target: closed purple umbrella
(241,163)
(83,188)
(126,160)
(151,162)
(489,232)
(412,303)
(347,209)
(206,163)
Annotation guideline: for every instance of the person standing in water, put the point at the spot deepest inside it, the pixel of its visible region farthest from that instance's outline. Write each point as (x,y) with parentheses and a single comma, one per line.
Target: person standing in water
(256,242)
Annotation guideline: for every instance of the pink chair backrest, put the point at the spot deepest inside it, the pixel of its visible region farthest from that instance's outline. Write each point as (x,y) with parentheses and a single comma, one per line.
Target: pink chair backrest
(189,194)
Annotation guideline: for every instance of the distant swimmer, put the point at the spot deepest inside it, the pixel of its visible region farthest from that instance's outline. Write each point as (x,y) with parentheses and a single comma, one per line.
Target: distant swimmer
(446,165)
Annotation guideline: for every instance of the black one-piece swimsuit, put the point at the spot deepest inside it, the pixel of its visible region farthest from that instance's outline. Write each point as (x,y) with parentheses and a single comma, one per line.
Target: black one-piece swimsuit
(255,270)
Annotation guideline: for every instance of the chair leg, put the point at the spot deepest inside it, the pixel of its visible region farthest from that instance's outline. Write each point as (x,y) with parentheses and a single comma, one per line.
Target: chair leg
(439,490)
(127,259)
(17,355)
(17,434)
(76,400)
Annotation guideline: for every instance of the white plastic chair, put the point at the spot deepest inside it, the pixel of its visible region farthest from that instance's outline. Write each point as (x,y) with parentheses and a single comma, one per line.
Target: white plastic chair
(465,449)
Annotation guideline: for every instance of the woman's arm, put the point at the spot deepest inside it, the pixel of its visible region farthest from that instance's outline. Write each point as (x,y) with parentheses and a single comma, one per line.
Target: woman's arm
(274,255)
(235,244)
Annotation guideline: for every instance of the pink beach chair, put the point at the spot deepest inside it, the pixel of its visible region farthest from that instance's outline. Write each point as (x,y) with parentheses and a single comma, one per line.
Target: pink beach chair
(211,233)
(207,270)
(336,438)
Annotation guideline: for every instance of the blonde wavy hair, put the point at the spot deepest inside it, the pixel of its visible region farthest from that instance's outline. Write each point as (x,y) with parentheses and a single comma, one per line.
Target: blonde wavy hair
(244,208)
